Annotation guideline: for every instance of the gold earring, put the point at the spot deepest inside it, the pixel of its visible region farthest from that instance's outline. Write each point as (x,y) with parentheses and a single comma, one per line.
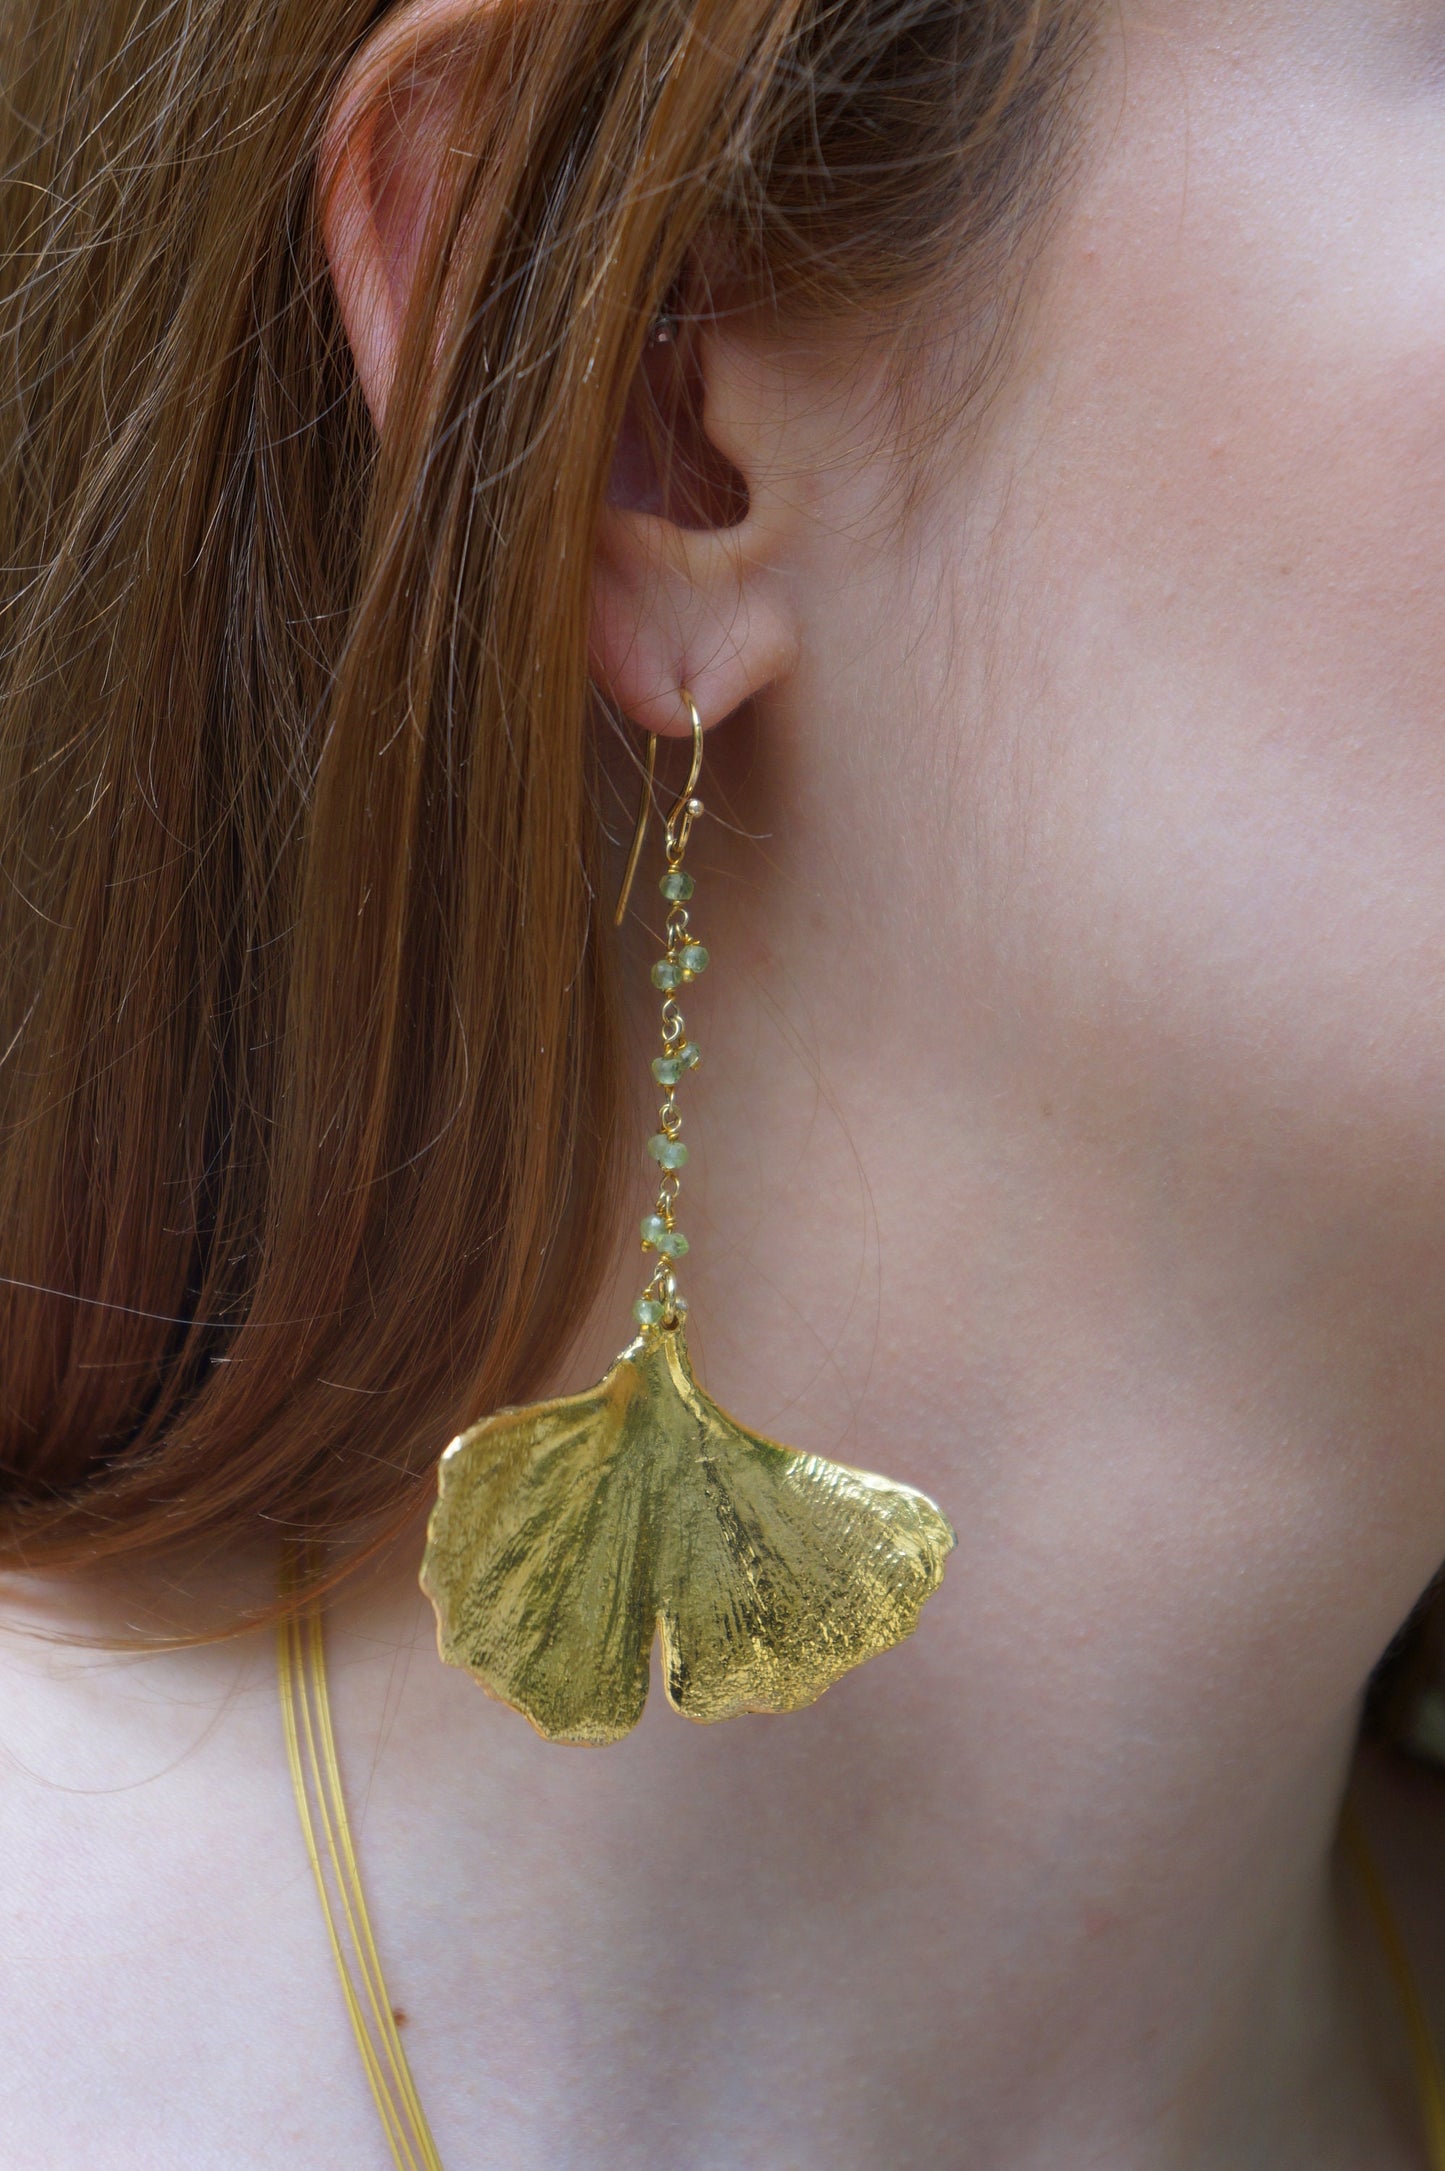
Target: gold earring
(567,1535)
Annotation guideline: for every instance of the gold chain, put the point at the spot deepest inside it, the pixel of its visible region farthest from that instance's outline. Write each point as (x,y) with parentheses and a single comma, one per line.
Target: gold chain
(1424,2056)
(316,1776)
(661,1303)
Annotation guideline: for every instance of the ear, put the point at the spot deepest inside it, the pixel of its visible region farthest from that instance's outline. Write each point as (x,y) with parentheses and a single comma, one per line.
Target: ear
(691,589)
(384,158)
(695,542)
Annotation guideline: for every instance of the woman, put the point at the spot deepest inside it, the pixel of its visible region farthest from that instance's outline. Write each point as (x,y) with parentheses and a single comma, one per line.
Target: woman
(1019,429)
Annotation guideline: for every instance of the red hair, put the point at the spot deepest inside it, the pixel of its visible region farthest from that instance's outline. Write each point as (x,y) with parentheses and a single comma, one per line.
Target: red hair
(310,1100)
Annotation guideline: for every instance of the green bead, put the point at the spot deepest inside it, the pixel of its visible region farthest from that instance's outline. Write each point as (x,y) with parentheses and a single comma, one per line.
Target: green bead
(669,1152)
(692,957)
(647,1311)
(676,886)
(668,1069)
(654,1228)
(667,973)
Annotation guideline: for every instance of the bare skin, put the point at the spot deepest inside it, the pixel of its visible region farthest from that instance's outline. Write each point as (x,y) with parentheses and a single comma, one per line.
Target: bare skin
(1071,1143)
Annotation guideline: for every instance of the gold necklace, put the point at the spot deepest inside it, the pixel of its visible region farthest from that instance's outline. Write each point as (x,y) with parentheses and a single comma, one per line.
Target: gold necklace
(1429,2077)
(316,1777)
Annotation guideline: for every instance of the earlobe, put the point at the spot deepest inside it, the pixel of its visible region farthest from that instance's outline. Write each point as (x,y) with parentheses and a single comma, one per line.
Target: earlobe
(691,607)
(698,595)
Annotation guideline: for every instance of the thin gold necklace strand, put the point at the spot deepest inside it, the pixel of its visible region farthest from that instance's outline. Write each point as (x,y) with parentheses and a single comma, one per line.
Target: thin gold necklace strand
(1429,2075)
(316,1777)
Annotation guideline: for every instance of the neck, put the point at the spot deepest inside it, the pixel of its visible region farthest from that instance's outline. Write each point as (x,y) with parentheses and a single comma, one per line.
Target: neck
(1052,1883)
(1012,1896)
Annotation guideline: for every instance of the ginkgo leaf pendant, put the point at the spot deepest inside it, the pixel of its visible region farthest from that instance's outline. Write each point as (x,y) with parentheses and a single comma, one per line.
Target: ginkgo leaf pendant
(567,1534)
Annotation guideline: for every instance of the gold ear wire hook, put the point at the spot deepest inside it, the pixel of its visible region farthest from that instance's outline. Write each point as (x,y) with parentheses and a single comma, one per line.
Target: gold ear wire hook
(679,821)
(639,831)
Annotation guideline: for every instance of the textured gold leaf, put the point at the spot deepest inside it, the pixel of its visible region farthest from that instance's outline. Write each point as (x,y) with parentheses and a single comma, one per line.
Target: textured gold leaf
(566,1535)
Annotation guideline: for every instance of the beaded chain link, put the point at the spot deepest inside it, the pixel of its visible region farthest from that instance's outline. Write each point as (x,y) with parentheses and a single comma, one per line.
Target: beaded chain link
(661,1302)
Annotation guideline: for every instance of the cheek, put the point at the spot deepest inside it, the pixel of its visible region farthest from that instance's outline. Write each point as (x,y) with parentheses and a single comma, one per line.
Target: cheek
(1233,815)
